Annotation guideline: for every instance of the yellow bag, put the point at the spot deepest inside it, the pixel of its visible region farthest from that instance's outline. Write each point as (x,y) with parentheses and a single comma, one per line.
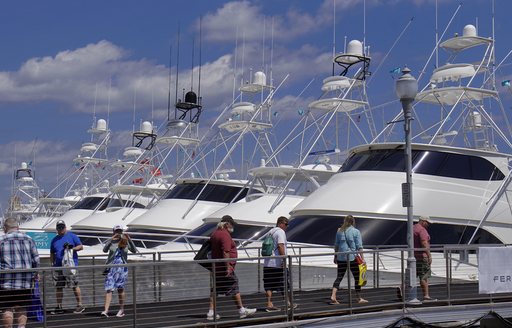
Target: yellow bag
(362,274)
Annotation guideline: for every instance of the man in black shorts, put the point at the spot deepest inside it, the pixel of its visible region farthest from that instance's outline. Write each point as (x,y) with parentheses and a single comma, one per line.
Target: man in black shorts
(19,252)
(274,268)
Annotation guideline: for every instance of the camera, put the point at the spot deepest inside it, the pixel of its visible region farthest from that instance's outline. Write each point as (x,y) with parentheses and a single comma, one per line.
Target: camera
(67,245)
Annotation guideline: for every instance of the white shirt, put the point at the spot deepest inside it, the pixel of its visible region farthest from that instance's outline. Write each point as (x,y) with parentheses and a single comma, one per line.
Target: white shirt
(279,237)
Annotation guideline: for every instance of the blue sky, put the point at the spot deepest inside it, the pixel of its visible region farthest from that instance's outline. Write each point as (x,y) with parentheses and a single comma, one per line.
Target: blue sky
(56,54)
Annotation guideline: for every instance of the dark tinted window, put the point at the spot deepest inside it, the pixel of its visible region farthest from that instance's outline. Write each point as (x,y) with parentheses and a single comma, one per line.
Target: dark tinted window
(425,162)
(321,230)
(90,203)
(241,231)
(212,192)
(116,202)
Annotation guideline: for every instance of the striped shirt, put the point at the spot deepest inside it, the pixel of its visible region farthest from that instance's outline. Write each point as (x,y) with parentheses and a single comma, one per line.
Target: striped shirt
(17,251)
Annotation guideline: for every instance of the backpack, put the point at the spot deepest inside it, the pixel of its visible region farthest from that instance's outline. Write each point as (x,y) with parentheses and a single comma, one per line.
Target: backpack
(267,248)
(204,253)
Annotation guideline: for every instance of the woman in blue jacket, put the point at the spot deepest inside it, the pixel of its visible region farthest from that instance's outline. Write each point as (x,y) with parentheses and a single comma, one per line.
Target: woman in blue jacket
(348,239)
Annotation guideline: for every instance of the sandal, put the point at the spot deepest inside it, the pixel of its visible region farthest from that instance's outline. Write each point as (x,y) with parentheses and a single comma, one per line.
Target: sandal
(334,302)
(362,301)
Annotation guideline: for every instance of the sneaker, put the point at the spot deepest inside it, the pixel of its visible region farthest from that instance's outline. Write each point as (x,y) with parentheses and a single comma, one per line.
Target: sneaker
(247,313)
(104,314)
(272,309)
(57,310)
(79,309)
(295,305)
(120,314)
(209,316)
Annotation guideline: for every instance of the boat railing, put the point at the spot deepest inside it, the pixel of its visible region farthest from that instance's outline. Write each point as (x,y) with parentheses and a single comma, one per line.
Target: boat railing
(169,288)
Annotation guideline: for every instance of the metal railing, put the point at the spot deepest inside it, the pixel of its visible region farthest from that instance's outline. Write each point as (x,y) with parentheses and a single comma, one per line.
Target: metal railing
(169,289)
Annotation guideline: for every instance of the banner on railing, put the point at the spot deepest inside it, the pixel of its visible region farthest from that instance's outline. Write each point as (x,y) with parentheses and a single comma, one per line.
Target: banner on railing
(494,270)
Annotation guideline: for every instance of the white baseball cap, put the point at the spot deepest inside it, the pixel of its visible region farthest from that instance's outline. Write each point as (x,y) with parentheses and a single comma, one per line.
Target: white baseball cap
(117,227)
(426,218)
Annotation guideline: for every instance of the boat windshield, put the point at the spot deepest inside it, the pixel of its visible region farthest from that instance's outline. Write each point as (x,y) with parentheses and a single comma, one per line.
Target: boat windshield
(424,162)
(211,192)
(241,231)
(116,202)
(321,230)
(90,203)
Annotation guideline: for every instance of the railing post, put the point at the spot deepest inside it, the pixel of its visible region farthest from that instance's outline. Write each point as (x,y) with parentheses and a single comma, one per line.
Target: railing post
(402,275)
(348,274)
(94,281)
(155,289)
(43,279)
(259,273)
(300,268)
(448,279)
(159,278)
(288,282)
(214,291)
(376,268)
(134,297)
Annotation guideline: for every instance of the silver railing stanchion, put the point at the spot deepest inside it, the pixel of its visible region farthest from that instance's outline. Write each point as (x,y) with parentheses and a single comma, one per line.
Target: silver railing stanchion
(402,276)
(300,268)
(134,296)
(159,277)
(448,280)
(42,279)
(376,268)
(289,285)
(94,281)
(259,272)
(155,289)
(349,283)
(214,290)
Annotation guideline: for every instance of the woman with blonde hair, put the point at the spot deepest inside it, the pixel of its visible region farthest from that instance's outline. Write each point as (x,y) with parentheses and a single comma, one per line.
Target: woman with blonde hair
(348,239)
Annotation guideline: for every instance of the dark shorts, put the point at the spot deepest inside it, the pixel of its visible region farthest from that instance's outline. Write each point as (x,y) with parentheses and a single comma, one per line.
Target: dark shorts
(61,280)
(10,298)
(273,279)
(423,270)
(227,285)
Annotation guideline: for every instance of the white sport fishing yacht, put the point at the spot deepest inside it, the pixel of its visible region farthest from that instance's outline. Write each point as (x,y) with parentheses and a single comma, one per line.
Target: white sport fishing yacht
(25,194)
(460,179)
(141,184)
(276,190)
(84,184)
(207,190)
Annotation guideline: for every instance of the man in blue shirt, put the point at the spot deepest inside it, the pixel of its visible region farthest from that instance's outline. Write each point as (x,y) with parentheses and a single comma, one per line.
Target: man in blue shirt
(18,251)
(60,243)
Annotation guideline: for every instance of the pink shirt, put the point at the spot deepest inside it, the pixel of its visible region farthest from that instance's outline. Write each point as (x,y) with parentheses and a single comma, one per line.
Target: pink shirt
(420,234)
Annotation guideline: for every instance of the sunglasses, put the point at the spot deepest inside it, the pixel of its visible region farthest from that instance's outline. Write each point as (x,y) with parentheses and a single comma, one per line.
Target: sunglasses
(61,227)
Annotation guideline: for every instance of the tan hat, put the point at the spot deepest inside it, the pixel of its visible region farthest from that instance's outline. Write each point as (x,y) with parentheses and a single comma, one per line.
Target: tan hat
(426,218)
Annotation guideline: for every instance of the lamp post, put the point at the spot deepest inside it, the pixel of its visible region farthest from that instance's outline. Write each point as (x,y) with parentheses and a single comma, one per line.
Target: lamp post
(406,90)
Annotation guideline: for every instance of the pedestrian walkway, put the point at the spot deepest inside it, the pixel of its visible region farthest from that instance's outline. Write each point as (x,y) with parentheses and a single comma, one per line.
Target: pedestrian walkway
(311,304)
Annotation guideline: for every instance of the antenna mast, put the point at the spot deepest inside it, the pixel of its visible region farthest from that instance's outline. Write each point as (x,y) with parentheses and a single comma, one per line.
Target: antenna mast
(169,89)
(177,74)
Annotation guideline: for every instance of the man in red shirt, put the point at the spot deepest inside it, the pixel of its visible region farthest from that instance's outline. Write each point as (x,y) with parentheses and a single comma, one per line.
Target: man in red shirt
(423,256)
(226,282)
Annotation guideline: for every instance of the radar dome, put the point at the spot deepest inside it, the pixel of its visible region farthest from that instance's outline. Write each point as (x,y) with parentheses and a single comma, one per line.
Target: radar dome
(24,165)
(101,124)
(191,97)
(260,78)
(469,30)
(355,47)
(147,127)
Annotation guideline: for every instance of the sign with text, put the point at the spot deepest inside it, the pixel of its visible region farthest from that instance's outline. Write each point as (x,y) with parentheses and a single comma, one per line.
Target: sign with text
(494,270)
(41,238)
